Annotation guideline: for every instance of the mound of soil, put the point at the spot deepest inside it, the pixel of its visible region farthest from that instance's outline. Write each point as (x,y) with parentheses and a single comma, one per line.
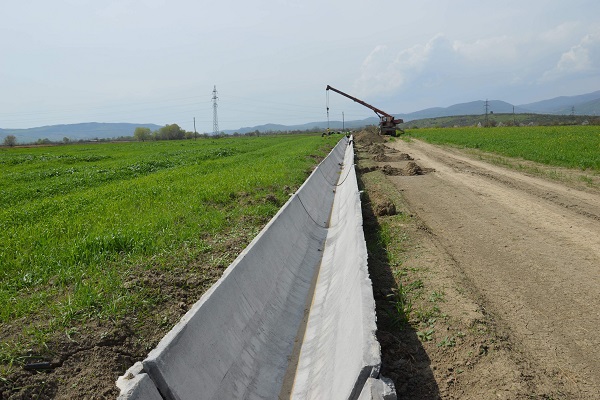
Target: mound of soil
(376,148)
(385,208)
(380,157)
(404,156)
(396,158)
(411,169)
(380,153)
(389,170)
(365,169)
(366,138)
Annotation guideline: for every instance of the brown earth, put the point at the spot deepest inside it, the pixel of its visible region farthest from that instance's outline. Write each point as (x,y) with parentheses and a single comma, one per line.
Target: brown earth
(495,273)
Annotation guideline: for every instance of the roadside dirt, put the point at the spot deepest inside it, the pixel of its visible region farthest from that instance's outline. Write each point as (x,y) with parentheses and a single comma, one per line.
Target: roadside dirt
(500,273)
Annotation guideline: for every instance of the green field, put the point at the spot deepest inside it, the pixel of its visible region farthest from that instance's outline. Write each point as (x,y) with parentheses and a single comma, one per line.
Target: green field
(565,146)
(76,221)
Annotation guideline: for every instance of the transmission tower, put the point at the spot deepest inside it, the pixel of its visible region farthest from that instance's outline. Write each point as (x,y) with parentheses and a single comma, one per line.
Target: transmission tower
(215,117)
(487,107)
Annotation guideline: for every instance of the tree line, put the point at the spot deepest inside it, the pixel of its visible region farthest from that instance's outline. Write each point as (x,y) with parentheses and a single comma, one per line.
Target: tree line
(175,132)
(167,132)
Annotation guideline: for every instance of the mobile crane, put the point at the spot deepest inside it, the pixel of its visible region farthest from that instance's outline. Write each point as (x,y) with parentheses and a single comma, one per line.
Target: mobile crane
(387,123)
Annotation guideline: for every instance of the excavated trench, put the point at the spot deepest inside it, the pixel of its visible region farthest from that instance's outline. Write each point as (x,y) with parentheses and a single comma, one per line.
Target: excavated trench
(292,317)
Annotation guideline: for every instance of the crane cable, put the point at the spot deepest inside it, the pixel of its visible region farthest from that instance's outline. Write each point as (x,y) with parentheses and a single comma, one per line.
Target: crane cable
(327,105)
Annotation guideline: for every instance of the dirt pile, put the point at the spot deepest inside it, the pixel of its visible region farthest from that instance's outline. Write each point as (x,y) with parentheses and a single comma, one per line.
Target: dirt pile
(376,148)
(389,170)
(401,157)
(367,138)
(378,151)
(383,153)
(411,169)
(385,208)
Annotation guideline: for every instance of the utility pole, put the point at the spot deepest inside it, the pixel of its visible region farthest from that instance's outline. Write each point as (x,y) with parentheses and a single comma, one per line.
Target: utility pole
(343,123)
(194,128)
(514,118)
(215,117)
(487,107)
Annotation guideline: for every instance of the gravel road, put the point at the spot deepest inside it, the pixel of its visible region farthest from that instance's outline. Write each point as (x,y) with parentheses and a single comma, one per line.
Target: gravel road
(529,247)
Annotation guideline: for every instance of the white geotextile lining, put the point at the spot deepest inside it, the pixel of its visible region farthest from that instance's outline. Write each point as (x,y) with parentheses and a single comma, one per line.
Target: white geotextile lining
(340,350)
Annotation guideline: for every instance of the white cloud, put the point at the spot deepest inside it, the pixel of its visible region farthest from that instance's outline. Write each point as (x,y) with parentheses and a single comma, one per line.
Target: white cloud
(498,66)
(382,72)
(561,34)
(493,50)
(377,74)
(583,57)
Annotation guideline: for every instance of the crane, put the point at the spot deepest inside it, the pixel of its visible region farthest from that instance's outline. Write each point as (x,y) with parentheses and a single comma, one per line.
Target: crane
(387,123)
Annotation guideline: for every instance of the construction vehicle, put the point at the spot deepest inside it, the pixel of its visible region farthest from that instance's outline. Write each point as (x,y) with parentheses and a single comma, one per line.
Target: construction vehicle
(388,125)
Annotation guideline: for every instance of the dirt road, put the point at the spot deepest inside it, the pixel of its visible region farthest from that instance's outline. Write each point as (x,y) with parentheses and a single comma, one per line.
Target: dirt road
(530,249)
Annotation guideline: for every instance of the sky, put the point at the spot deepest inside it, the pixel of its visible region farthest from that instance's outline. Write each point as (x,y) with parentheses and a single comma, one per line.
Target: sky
(158,61)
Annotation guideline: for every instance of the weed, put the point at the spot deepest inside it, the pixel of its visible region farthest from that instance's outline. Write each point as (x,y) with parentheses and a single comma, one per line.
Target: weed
(384,235)
(448,341)
(425,314)
(404,271)
(11,355)
(414,285)
(402,307)
(426,335)
(436,296)
(394,262)
(586,179)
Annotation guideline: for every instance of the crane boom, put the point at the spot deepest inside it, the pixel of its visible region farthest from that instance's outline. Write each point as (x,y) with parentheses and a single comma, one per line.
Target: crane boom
(359,101)
(387,122)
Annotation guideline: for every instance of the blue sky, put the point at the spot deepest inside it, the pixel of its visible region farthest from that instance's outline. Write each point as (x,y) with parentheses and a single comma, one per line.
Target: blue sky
(156,61)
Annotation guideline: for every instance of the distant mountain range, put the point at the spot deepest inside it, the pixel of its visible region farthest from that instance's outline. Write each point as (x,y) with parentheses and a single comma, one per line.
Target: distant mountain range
(471,108)
(83,131)
(585,104)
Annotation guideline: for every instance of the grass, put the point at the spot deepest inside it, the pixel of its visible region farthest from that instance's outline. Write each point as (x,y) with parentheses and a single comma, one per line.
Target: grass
(564,146)
(76,220)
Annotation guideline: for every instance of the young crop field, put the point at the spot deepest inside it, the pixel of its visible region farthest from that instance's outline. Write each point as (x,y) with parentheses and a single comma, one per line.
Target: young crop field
(564,146)
(91,235)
